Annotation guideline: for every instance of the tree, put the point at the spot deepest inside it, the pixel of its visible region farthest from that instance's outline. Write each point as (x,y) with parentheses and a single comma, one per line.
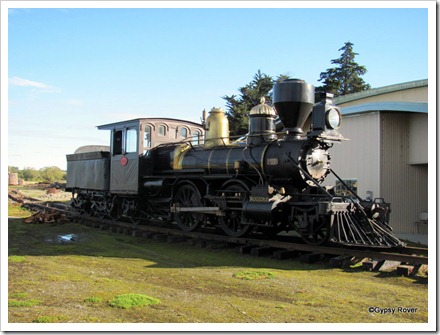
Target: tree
(52,174)
(12,169)
(29,174)
(345,78)
(46,174)
(238,107)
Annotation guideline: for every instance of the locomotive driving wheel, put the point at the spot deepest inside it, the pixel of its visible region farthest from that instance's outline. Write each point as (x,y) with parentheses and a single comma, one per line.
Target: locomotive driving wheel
(188,196)
(235,193)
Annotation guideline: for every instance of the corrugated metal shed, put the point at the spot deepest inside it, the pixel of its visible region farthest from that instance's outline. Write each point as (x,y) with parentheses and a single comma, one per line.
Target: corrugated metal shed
(350,161)
(388,148)
(402,184)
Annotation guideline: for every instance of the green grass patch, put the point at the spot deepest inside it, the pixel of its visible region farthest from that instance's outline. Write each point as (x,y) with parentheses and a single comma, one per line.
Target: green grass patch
(15,210)
(16,259)
(132,300)
(254,275)
(18,295)
(93,300)
(23,303)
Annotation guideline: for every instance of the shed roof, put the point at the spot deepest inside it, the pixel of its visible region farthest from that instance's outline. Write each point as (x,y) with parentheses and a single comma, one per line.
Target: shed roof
(381,90)
(387,106)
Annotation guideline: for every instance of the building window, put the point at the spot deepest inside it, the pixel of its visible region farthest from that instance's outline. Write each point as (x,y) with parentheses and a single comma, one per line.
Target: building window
(183,132)
(147,138)
(161,130)
(196,138)
(131,140)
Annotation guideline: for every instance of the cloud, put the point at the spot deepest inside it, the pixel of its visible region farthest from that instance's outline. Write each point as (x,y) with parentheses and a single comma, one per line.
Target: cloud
(17,81)
(34,85)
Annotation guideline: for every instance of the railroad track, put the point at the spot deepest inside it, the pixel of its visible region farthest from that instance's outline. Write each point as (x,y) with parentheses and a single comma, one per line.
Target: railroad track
(411,258)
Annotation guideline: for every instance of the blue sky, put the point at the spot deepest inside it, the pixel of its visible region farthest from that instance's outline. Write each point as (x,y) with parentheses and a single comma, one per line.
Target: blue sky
(72,69)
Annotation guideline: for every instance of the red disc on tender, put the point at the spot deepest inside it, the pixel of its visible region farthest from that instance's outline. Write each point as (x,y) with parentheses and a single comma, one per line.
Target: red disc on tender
(124,161)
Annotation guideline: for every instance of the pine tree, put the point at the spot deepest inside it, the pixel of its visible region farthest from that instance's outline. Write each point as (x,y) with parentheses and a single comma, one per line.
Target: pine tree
(238,107)
(346,77)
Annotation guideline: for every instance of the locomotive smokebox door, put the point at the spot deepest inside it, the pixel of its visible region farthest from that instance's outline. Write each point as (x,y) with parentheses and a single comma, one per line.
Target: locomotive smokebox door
(124,153)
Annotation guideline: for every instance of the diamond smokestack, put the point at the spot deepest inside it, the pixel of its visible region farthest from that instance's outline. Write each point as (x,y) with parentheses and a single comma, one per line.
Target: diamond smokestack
(293,100)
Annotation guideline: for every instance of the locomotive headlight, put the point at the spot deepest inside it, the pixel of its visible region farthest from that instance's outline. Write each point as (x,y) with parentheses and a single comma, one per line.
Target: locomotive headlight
(333,118)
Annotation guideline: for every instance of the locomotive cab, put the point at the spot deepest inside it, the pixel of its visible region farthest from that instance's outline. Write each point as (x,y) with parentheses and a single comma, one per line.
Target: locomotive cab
(125,148)
(130,145)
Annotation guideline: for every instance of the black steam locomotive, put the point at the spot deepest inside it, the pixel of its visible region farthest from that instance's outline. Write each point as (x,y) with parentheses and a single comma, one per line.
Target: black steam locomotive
(262,184)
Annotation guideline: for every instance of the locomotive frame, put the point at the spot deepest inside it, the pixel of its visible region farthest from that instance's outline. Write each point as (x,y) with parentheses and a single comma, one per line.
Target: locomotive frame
(264,185)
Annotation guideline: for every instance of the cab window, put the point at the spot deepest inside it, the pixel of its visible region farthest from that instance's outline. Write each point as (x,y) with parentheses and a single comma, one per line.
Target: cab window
(117,142)
(131,140)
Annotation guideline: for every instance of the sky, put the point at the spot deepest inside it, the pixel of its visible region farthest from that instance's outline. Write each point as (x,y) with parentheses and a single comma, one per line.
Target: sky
(69,70)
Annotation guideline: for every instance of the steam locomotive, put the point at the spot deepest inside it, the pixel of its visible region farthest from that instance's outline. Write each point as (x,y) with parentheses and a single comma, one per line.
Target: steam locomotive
(261,184)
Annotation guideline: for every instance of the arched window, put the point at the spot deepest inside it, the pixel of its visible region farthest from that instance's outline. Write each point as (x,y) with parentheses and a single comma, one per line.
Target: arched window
(161,131)
(183,132)
(147,138)
(196,137)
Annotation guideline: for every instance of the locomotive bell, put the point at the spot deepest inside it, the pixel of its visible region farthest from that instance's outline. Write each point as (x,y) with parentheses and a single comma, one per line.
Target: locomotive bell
(217,128)
(293,100)
(262,124)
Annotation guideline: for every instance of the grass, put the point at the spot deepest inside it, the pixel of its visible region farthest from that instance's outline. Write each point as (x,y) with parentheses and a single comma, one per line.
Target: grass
(254,275)
(15,210)
(132,300)
(39,192)
(16,259)
(79,282)
(22,303)
(93,300)
(50,319)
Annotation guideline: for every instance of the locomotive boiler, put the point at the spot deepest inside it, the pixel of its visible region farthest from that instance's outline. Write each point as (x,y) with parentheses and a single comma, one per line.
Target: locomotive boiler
(267,183)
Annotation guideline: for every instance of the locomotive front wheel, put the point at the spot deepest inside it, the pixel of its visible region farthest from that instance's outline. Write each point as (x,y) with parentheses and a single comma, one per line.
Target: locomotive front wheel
(318,232)
(232,223)
(188,195)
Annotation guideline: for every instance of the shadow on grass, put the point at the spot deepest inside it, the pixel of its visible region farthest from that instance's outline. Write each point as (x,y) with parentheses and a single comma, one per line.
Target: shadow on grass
(53,240)
(393,274)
